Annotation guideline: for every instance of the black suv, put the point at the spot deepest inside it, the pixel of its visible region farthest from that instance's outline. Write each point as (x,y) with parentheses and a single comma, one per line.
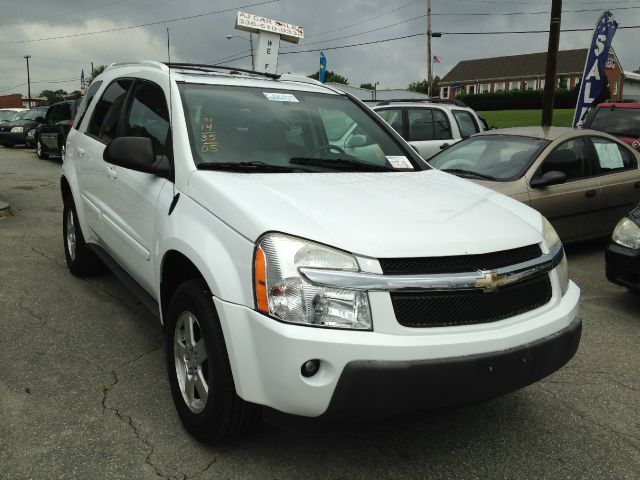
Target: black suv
(15,132)
(52,134)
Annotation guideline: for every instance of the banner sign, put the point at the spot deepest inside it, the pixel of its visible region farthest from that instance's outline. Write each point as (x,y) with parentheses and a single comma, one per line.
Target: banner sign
(593,77)
(249,22)
(323,68)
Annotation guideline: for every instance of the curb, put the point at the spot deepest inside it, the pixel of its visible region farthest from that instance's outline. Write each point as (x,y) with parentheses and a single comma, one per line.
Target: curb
(5,209)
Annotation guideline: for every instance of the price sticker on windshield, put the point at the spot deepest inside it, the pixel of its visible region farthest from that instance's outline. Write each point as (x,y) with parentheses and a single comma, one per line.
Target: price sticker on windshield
(399,162)
(280,97)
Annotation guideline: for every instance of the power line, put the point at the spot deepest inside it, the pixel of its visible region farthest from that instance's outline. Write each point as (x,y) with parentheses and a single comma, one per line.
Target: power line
(159,22)
(11,88)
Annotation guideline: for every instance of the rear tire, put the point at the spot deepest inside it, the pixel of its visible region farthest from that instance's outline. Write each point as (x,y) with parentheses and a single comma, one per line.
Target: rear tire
(80,260)
(199,371)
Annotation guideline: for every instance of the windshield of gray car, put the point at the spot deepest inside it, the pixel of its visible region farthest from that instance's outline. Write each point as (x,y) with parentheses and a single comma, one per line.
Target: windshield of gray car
(501,158)
(33,114)
(277,130)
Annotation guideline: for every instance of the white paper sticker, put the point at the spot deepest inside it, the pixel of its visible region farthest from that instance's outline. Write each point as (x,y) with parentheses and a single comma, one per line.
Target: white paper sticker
(399,162)
(609,155)
(280,97)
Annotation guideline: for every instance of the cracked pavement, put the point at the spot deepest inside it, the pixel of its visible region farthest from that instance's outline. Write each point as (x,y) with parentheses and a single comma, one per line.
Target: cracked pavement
(84,394)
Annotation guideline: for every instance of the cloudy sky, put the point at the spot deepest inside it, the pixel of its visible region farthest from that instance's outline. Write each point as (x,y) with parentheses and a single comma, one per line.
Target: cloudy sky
(56,63)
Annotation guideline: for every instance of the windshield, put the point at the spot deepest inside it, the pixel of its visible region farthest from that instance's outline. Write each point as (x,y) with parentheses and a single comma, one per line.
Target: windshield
(497,157)
(290,130)
(33,114)
(6,115)
(623,122)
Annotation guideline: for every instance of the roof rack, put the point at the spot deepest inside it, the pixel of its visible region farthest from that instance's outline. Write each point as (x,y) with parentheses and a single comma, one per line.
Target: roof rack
(201,67)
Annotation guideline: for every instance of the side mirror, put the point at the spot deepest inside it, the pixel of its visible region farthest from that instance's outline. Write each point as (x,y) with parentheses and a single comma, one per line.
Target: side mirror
(554,177)
(136,153)
(357,141)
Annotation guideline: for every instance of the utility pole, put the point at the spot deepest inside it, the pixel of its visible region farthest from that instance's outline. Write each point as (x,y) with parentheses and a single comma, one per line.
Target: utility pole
(429,57)
(253,60)
(552,63)
(28,81)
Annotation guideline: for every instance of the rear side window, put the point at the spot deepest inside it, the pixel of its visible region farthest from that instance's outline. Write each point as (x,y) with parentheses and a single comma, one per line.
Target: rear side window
(428,124)
(149,116)
(466,123)
(611,156)
(104,122)
(86,101)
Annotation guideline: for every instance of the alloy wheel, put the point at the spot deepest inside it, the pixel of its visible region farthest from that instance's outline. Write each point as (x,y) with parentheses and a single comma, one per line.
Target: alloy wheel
(71,235)
(190,358)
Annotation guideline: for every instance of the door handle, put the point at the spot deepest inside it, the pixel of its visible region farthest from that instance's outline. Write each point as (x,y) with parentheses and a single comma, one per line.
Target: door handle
(444,146)
(112,173)
(590,193)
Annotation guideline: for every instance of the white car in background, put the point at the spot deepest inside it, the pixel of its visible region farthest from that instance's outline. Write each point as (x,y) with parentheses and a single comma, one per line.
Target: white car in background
(430,127)
(7,114)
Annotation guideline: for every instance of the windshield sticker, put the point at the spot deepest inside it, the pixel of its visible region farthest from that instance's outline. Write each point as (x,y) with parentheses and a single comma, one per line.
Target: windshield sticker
(208,136)
(399,162)
(280,97)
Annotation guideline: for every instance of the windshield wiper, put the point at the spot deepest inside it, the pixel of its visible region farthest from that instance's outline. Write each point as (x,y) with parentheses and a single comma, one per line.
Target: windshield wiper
(341,164)
(469,173)
(252,167)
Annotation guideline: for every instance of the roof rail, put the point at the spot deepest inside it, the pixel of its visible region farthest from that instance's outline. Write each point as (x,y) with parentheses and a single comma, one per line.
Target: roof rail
(201,67)
(458,103)
(291,77)
(145,63)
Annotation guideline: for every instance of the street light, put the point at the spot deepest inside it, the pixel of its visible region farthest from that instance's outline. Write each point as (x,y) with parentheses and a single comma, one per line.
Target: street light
(250,40)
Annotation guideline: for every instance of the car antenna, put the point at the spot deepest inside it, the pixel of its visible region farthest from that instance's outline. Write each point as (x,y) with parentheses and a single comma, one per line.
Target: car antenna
(176,197)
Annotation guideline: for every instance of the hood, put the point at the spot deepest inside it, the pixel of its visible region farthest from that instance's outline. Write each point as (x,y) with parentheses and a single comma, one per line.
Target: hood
(409,214)
(21,123)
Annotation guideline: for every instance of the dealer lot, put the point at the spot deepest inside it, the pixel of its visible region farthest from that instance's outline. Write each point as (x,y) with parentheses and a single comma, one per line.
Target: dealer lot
(83,389)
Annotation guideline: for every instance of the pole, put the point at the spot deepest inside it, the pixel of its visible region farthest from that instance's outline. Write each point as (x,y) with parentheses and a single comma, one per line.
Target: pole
(552,63)
(28,81)
(429,58)
(253,60)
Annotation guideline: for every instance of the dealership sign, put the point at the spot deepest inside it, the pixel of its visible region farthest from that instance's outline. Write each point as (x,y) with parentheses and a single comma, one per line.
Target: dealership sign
(594,76)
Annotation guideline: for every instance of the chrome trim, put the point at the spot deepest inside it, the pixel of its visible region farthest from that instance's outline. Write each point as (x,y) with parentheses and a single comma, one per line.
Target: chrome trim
(487,280)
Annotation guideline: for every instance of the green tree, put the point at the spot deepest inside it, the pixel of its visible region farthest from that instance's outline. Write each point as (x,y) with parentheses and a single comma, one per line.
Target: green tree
(421,86)
(368,86)
(96,71)
(53,96)
(331,77)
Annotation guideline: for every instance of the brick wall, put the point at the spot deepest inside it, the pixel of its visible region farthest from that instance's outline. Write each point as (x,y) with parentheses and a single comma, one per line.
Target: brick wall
(11,101)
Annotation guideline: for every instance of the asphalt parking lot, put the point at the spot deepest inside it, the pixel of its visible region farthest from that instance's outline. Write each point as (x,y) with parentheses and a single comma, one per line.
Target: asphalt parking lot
(84,394)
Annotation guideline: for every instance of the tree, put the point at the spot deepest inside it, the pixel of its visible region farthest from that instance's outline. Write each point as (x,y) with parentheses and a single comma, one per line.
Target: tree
(53,97)
(96,71)
(331,77)
(368,86)
(637,71)
(421,86)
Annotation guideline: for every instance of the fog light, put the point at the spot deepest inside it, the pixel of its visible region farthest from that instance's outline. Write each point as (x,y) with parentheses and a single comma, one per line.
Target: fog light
(310,368)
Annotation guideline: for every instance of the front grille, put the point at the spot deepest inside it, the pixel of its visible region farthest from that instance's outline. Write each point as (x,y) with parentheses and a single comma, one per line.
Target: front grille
(468,307)
(5,129)
(459,263)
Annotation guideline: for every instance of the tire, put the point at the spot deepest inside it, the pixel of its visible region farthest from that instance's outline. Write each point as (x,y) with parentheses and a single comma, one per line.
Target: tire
(80,260)
(40,151)
(210,409)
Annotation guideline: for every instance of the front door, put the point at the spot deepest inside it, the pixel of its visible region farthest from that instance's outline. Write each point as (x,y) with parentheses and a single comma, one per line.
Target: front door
(429,131)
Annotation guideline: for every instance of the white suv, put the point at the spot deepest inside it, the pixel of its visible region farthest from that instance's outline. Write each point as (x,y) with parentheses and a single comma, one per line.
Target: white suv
(297,278)
(430,127)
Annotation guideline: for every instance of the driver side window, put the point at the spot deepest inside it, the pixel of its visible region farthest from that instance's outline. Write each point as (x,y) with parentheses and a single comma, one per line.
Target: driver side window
(570,158)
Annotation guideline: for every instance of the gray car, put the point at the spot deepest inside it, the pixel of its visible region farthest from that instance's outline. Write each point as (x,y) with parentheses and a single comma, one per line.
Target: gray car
(583,181)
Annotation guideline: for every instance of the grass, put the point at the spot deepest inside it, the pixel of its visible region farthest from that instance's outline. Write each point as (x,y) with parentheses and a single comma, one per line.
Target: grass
(524,118)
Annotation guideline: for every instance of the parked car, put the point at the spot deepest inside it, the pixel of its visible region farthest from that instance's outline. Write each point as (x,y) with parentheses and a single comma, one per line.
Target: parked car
(16,131)
(294,279)
(52,135)
(430,127)
(582,181)
(623,253)
(7,114)
(619,119)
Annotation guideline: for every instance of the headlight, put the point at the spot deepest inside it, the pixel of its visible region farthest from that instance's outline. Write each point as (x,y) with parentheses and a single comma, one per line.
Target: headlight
(551,239)
(627,234)
(16,130)
(282,293)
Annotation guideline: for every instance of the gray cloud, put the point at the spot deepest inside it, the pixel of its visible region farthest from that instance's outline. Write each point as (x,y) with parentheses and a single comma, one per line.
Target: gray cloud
(393,64)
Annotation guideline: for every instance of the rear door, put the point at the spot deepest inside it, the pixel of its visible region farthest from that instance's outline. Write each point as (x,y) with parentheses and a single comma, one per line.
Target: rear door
(617,170)
(429,130)
(573,208)
(49,130)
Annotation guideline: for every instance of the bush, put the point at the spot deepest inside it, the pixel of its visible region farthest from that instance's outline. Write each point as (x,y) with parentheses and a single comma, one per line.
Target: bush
(518,100)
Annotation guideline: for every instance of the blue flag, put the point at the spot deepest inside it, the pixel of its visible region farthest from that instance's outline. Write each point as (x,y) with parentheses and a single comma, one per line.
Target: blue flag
(323,68)
(593,78)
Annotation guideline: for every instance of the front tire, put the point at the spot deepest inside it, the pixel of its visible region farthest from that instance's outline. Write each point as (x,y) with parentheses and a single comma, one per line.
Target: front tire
(199,371)
(40,151)
(80,260)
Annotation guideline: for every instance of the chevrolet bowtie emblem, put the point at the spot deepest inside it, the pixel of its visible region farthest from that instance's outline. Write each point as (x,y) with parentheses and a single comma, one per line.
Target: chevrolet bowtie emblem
(489,281)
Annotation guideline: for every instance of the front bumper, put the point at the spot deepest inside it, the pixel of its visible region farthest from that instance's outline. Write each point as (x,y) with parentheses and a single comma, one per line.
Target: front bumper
(372,374)
(9,138)
(623,266)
